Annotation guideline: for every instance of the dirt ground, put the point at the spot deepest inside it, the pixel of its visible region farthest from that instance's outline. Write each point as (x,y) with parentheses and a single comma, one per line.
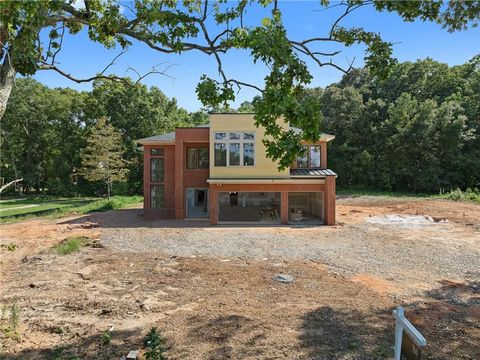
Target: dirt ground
(211,293)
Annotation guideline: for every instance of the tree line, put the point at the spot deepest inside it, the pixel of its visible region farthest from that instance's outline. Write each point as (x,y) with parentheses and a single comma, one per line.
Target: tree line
(45,131)
(417,130)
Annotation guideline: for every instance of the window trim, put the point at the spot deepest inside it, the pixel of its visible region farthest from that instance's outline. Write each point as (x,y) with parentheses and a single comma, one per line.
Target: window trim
(153,183)
(242,141)
(308,154)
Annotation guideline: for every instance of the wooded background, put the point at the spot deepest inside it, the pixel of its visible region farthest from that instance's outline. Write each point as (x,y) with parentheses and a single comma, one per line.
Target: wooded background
(417,130)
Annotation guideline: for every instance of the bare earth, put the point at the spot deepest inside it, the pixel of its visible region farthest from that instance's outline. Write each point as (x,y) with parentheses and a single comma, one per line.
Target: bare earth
(210,291)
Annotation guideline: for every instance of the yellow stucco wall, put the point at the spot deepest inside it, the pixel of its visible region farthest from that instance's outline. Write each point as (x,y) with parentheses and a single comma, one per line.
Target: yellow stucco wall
(263,168)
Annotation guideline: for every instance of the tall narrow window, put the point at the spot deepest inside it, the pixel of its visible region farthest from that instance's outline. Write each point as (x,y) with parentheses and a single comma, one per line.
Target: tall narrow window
(220,154)
(234,154)
(203,158)
(302,159)
(157,196)
(234,149)
(315,156)
(248,154)
(192,158)
(156,170)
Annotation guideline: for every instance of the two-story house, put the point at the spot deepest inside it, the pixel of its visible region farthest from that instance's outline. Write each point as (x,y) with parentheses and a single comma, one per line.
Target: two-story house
(220,171)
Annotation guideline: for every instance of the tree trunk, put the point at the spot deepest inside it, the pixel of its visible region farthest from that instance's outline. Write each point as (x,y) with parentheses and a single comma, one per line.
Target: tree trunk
(7,79)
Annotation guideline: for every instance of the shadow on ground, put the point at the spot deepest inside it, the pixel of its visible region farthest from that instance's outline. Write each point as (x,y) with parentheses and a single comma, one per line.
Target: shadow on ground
(94,347)
(133,218)
(449,318)
(329,333)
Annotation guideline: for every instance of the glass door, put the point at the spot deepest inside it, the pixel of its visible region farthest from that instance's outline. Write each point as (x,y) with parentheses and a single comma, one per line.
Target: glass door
(197,203)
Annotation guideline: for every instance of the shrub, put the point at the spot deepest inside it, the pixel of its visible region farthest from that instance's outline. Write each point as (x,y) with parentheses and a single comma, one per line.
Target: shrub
(459,195)
(106,337)
(154,344)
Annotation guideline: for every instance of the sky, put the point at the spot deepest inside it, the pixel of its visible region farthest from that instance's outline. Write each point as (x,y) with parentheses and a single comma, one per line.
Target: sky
(303,19)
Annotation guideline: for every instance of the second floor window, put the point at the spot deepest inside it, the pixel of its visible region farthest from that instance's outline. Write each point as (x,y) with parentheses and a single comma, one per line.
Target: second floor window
(311,157)
(197,158)
(234,149)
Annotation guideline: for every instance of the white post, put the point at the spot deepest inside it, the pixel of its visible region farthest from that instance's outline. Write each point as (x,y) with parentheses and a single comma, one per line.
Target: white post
(403,324)
(398,332)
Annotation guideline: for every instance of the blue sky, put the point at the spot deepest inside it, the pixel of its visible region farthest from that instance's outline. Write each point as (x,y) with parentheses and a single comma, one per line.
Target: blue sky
(413,41)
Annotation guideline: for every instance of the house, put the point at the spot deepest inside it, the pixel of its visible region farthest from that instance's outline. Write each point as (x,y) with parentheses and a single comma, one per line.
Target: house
(220,171)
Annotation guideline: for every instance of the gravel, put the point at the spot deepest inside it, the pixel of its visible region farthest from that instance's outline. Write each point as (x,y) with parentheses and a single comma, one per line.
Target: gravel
(425,254)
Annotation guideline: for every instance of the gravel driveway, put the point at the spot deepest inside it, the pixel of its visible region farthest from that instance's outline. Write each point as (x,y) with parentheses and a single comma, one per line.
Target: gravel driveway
(420,253)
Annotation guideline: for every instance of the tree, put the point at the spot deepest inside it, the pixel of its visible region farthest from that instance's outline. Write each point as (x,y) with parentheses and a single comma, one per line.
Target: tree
(102,158)
(175,27)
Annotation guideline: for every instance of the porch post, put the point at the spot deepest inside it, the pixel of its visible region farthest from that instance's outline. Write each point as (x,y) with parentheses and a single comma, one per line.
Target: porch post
(329,199)
(284,207)
(179,190)
(213,204)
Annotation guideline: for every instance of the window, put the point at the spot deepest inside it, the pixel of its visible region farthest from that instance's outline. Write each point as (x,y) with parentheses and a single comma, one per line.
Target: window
(234,149)
(315,156)
(157,177)
(248,154)
(234,154)
(302,160)
(156,169)
(203,158)
(220,155)
(197,158)
(311,158)
(157,152)
(157,197)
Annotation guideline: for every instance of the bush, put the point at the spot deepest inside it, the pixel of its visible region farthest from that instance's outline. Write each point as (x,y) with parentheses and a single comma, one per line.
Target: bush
(459,195)
(155,345)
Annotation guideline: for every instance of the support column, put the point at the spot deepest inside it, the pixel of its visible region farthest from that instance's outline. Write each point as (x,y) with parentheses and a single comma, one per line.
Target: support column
(329,199)
(284,207)
(179,190)
(213,204)
(146,177)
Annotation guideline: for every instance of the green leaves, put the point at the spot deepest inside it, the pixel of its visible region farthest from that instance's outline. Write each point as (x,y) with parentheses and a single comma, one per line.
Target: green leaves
(211,93)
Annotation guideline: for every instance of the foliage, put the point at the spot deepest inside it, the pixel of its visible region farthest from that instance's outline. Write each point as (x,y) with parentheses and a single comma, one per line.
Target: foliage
(459,195)
(9,320)
(154,343)
(61,207)
(416,131)
(102,158)
(43,130)
(106,337)
(215,28)
(10,247)
(71,244)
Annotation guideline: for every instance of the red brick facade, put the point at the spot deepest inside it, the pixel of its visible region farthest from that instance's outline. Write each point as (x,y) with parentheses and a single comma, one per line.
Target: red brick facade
(177,179)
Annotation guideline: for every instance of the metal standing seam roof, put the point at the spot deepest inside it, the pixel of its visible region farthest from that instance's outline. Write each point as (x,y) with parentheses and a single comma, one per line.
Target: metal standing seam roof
(311,173)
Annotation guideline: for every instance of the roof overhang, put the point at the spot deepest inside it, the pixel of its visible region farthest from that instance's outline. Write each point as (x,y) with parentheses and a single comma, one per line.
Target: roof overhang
(266,181)
(155,142)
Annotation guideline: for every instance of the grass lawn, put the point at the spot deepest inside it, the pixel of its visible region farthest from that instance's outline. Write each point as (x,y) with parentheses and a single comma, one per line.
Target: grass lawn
(21,208)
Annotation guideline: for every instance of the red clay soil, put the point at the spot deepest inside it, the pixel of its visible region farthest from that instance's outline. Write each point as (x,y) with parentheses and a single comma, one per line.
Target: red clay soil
(212,308)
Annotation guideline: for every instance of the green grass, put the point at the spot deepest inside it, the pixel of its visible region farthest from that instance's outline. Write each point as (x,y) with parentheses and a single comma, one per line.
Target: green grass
(468,195)
(368,192)
(58,207)
(71,244)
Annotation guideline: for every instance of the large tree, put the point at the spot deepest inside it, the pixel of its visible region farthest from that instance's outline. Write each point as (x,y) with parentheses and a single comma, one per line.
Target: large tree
(214,28)
(102,158)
